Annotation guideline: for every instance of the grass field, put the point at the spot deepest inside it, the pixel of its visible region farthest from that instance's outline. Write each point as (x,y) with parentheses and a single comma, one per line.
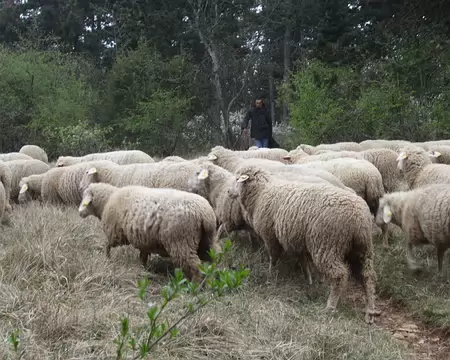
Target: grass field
(66,298)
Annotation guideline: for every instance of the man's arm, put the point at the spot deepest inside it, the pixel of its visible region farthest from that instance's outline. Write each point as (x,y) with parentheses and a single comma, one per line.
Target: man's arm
(269,119)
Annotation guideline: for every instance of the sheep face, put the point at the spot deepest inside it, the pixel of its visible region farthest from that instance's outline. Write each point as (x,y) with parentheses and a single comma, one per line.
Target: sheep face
(24,193)
(85,208)
(90,176)
(65,161)
(384,214)
(197,184)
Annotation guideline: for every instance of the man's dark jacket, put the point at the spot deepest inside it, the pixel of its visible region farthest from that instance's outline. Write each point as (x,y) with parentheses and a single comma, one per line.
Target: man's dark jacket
(261,127)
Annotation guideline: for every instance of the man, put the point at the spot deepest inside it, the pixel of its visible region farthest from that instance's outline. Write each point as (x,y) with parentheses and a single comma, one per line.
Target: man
(261,127)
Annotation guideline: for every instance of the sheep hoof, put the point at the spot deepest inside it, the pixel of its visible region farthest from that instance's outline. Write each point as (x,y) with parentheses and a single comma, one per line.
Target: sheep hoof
(329,309)
(370,315)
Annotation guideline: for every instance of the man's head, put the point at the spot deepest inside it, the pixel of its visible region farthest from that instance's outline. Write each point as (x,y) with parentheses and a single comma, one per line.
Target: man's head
(259,103)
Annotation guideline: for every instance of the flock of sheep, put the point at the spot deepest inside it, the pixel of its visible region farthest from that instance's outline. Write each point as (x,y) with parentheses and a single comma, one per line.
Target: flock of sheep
(320,204)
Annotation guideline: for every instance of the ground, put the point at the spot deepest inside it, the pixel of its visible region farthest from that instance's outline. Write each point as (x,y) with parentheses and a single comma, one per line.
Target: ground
(66,298)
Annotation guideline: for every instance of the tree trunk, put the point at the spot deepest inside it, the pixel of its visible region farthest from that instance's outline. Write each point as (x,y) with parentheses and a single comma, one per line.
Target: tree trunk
(272,95)
(287,64)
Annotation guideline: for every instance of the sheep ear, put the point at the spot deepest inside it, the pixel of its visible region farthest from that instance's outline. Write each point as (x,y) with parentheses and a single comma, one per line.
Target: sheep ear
(402,156)
(435,154)
(23,189)
(92,171)
(212,157)
(203,174)
(242,178)
(387,214)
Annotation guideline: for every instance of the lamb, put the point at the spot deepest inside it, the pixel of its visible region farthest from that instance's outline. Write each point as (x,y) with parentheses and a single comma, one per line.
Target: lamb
(61,185)
(231,162)
(121,157)
(21,169)
(416,165)
(360,175)
(158,175)
(14,156)
(35,152)
(440,154)
(332,227)
(168,222)
(263,153)
(423,214)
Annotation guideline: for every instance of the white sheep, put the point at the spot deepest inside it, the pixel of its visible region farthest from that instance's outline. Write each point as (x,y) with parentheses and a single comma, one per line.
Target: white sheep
(418,169)
(14,156)
(168,222)
(30,188)
(120,157)
(61,185)
(173,159)
(440,154)
(159,175)
(21,169)
(394,145)
(6,180)
(231,162)
(330,226)
(35,152)
(349,146)
(424,216)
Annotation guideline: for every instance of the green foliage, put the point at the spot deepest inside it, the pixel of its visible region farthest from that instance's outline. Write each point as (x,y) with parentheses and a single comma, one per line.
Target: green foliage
(216,282)
(149,99)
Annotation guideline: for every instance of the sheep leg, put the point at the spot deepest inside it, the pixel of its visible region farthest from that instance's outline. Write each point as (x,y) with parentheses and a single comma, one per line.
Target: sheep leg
(108,251)
(339,274)
(186,259)
(305,265)
(440,257)
(220,231)
(369,277)
(143,257)
(274,249)
(385,234)
(412,263)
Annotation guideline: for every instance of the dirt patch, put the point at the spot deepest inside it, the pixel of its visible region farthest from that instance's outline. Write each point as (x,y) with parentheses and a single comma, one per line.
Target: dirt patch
(426,341)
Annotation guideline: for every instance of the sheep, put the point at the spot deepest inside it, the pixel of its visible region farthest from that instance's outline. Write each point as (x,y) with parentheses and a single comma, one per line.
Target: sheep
(254,147)
(440,154)
(121,157)
(394,145)
(14,156)
(332,227)
(168,222)
(61,185)
(296,157)
(423,214)
(30,188)
(6,180)
(173,159)
(3,202)
(263,153)
(349,146)
(21,169)
(35,152)
(158,175)
(231,162)
(360,175)
(418,169)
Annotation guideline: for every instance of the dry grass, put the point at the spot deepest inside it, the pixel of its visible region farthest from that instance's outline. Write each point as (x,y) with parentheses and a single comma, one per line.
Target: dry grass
(66,298)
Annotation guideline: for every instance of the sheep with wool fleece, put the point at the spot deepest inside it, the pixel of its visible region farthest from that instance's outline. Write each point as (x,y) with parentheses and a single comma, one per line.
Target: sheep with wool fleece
(14,156)
(34,151)
(30,188)
(61,185)
(24,168)
(120,157)
(423,214)
(440,154)
(158,175)
(6,180)
(358,174)
(331,226)
(168,222)
(340,146)
(228,160)
(416,165)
